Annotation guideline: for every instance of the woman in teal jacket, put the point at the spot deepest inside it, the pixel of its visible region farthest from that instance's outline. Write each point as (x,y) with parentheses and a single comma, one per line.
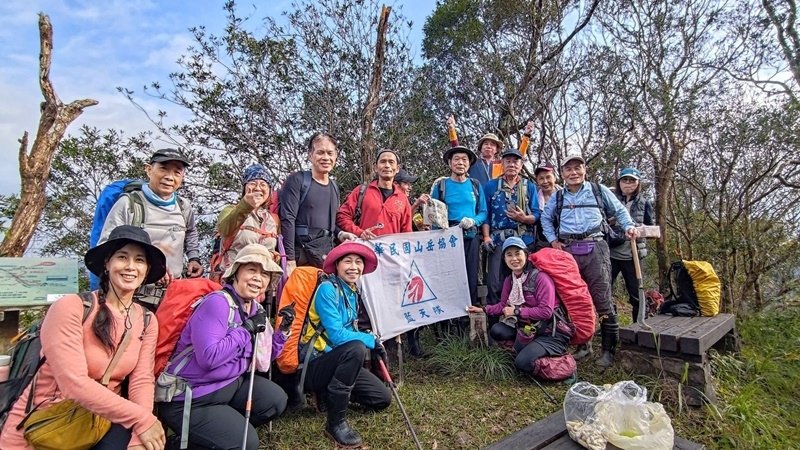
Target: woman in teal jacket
(335,372)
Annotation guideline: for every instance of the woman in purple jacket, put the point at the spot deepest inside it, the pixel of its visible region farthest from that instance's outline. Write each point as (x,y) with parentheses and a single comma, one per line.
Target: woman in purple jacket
(214,357)
(532,319)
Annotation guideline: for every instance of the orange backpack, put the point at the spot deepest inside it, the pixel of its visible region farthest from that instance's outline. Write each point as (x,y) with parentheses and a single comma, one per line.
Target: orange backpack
(299,289)
(180,299)
(570,288)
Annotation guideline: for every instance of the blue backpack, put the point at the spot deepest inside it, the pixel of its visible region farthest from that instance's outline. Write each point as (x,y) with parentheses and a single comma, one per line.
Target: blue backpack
(108,197)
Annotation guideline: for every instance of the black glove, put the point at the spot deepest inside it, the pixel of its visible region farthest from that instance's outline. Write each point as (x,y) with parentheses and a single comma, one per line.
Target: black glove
(256,324)
(287,317)
(380,350)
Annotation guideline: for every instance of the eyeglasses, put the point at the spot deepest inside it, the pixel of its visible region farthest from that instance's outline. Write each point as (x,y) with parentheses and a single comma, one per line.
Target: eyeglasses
(628,180)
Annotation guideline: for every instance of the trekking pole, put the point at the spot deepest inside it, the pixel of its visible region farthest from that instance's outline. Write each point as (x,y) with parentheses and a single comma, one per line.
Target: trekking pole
(642,303)
(546,394)
(388,378)
(249,404)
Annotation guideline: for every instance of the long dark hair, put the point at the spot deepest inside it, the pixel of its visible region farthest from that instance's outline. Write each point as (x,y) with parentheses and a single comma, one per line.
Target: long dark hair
(103,324)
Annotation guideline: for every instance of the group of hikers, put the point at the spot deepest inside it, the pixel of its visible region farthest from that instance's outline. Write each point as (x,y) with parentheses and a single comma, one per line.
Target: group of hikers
(99,353)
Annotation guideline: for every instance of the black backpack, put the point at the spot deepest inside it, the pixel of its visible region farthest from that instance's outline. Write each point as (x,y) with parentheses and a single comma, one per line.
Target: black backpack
(682,299)
(26,360)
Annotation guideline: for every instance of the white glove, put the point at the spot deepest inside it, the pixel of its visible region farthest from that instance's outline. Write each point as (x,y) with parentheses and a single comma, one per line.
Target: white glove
(467,223)
(345,236)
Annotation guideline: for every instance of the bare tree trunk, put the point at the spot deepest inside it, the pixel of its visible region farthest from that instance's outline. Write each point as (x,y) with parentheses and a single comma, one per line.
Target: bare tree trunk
(373,97)
(34,167)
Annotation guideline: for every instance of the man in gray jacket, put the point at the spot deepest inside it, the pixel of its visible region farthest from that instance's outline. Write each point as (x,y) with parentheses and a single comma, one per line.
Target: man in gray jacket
(166,217)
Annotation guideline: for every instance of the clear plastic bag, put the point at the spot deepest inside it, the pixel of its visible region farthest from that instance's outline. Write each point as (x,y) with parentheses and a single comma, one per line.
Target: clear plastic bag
(435,213)
(620,414)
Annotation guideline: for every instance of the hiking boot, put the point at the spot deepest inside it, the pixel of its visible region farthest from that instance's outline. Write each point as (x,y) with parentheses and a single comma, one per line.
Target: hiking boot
(583,351)
(343,436)
(606,359)
(414,345)
(337,427)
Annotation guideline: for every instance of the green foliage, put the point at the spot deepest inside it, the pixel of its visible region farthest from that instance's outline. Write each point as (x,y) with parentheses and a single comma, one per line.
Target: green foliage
(8,207)
(455,356)
(81,168)
(761,390)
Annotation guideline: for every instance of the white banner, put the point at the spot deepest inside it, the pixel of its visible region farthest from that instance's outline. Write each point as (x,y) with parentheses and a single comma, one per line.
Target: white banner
(421,279)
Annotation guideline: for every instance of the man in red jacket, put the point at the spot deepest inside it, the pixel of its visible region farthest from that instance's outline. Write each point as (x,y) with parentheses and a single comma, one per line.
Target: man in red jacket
(378,207)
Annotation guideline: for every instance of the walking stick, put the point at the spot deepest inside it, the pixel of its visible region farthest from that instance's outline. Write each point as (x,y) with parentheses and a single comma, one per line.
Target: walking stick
(642,301)
(249,404)
(399,403)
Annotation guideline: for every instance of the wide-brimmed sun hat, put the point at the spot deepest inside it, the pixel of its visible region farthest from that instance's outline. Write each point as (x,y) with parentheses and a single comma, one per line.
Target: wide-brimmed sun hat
(459,149)
(95,259)
(253,253)
(490,137)
(348,248)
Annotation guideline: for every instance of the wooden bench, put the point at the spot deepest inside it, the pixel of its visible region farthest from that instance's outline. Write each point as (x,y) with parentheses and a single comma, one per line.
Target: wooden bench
(678,347)
(551,433)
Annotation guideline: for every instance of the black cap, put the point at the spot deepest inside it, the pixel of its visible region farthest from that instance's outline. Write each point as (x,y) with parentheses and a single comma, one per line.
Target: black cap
(169,154)
(404,177)
(459,149)
(511,152)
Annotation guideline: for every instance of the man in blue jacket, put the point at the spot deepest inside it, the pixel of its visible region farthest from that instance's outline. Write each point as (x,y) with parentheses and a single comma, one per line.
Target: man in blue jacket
(574,221)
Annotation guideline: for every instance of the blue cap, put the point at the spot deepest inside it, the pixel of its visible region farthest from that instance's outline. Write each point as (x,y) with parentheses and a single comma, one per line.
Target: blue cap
(514,241)
(256,172)
(511,152)
(630,172)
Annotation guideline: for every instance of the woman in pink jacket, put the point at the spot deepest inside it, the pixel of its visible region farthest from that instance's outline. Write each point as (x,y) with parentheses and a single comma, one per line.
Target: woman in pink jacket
(77,352)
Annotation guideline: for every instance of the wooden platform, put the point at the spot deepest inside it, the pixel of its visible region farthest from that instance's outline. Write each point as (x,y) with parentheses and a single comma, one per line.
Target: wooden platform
(551,433)
(678,347)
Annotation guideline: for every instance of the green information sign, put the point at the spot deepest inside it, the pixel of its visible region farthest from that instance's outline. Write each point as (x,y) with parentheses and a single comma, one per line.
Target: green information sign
(29,281)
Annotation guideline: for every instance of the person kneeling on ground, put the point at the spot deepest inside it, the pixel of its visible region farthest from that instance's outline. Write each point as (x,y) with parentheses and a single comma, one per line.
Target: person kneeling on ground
(336,367)
(80,351)
(217,367)
(531,316)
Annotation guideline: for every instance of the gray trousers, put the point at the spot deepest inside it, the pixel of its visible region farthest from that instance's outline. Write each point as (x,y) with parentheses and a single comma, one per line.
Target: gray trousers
(595,270)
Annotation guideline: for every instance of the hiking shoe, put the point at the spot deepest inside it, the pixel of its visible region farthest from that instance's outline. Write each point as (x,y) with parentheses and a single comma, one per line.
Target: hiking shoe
(583,351)
(606,359)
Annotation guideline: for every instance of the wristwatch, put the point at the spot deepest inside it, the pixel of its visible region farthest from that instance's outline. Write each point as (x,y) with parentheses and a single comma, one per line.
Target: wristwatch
(516,311)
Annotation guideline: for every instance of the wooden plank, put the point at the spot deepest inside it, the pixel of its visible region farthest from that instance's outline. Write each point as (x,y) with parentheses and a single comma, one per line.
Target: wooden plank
(628,333)
(649,339)
(699,339)
(670,338)
(563,443)
(535,436)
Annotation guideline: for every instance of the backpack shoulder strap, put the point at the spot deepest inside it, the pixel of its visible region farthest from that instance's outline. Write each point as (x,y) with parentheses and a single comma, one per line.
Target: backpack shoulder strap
(598,197)
(232,307)
(530,282)
(186,209)
(357,214)
(305,186)
(87,298)
(559,208)
(476,187)
(442,183)
(136,207)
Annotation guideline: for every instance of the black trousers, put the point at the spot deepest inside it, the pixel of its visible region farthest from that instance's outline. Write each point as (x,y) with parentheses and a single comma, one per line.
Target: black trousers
(346,364)
(118,437)
(472,249)
(217,419)
(527,354)
(628,271)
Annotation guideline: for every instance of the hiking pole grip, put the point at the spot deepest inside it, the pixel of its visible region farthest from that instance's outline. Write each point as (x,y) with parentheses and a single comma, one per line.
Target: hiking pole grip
(388,377)
(637,265)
